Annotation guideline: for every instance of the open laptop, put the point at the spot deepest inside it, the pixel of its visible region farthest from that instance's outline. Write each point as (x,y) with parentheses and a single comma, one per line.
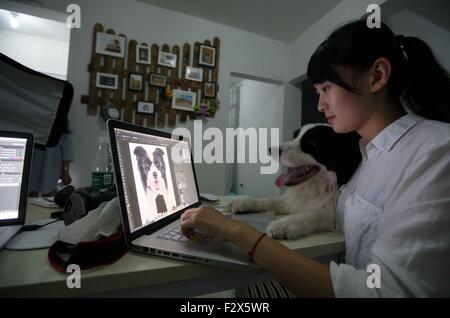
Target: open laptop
(15,164)
(154,189)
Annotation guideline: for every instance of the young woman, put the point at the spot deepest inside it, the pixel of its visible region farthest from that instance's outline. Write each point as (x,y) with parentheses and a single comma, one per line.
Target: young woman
(395,210)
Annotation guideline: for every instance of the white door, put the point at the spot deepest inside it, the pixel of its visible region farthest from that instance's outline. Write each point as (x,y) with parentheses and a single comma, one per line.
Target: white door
(260,106)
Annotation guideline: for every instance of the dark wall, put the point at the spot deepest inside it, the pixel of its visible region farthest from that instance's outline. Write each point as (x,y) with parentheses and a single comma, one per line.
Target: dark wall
(310,114)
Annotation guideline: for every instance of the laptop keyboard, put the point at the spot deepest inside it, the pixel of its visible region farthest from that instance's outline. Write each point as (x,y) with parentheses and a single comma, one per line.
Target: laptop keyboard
(175,234)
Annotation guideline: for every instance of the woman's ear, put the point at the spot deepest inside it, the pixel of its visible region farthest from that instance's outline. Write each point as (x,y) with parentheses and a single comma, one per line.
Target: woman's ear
(379,74)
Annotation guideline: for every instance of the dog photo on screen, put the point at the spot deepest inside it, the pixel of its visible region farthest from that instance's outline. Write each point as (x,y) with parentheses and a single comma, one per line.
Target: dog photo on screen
(153,180)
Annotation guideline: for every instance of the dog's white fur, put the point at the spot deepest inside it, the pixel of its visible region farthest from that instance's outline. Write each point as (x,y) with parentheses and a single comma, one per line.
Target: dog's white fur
(153,191)
(311,205)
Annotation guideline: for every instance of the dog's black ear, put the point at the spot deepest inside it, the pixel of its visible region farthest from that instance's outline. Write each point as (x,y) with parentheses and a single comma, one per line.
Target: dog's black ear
(141,155)
(139,151)
(337,152)
(159,151)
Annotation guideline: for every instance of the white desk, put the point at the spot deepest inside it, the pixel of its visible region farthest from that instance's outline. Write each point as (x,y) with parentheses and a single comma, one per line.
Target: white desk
(29,273)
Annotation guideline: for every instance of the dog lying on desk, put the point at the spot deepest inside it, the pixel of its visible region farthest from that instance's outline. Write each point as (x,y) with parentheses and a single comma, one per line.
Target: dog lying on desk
(318,161)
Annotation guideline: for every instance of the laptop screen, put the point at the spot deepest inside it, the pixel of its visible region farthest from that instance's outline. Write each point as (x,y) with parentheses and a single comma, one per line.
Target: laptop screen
(12,164)
(154,185)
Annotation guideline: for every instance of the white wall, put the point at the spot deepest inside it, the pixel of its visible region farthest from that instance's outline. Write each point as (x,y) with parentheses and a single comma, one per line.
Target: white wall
(261,107)
(240,52)
(409,23)
(40,54)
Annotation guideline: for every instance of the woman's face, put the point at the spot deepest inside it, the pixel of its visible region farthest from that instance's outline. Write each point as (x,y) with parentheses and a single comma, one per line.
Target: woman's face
(344,110)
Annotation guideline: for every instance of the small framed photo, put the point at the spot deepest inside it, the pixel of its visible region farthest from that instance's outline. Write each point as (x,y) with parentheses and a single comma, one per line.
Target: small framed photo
(210,90)
(158,80)
(105,80)
(207,55)
(143,55)
(110,44)
(143,107)
(184,100)
(167,59)
(135,82)
(194,73)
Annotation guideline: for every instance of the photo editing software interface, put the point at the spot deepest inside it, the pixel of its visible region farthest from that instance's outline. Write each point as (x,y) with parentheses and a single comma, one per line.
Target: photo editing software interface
(12,158)
(154,185)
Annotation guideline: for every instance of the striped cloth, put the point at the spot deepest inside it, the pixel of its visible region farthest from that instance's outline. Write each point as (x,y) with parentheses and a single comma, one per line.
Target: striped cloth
(271,289)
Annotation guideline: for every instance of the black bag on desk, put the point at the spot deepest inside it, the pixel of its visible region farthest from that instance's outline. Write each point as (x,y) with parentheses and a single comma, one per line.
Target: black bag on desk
(105,251)
(78,202)
(89,249)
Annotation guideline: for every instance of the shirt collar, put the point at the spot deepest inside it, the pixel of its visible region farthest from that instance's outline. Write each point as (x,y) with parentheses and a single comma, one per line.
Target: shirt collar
(388,137)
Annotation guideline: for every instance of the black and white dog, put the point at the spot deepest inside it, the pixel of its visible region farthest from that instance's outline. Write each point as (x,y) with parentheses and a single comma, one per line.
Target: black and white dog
(154,180)
(318,160)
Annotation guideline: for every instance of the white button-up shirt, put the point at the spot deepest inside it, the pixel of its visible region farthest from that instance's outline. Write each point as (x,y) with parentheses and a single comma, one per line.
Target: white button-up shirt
(395,213)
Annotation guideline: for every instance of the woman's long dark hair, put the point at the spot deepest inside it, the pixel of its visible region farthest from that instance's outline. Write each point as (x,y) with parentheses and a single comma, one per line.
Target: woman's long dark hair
(416,78)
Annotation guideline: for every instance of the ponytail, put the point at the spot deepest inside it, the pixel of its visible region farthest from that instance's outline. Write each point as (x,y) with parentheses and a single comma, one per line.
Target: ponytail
(428,84)
(417,80)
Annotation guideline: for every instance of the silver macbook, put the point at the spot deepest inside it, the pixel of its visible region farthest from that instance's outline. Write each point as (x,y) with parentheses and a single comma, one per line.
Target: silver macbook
(154,189)
(15,164)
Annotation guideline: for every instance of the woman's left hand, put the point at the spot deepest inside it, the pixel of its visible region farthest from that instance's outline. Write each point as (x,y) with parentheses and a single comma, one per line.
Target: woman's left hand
(65,177)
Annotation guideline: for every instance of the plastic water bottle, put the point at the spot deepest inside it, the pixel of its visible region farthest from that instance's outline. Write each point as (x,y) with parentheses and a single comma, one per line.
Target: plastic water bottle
(102,169)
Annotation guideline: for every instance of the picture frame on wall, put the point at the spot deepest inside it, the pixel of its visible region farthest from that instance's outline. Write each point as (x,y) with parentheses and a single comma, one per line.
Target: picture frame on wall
(110,44)
(106,80)
(209,90)
(157,80)
(184,100)
(143,55)
(167,59)
(207,56)
(144,107)
(194,73)
(135,82)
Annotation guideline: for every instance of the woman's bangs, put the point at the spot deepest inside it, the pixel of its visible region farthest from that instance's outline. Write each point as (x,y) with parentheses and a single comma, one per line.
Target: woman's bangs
(321,69)
(318,67)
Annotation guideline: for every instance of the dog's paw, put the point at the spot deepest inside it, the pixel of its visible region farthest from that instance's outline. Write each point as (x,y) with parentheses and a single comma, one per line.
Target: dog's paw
(245,205)
(286,229)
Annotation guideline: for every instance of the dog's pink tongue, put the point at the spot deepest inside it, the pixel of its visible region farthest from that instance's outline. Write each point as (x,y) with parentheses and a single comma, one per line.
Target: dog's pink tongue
(281,180)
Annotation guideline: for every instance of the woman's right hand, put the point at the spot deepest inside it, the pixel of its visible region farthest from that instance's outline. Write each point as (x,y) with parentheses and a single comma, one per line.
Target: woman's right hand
(208,221)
